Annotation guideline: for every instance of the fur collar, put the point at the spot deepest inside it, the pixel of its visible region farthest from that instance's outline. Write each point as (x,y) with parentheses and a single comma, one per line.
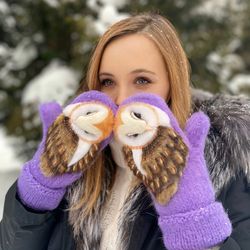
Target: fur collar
(226,152)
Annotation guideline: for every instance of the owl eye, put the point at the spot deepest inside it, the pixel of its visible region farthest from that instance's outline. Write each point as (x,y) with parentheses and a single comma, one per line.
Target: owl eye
(91,113)
(136,115)
(132,135)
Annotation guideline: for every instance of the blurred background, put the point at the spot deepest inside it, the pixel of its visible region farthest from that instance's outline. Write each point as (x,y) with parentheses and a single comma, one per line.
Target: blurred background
(45,47)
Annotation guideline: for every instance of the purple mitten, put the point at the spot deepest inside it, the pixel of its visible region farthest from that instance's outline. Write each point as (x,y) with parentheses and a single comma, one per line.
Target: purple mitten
(171,165)
(72,138)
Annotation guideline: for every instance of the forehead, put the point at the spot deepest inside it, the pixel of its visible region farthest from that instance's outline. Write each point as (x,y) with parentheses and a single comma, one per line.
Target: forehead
(132,51)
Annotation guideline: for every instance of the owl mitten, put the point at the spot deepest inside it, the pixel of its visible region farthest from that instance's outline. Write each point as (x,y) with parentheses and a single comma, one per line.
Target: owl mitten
(72,138)
(170,162)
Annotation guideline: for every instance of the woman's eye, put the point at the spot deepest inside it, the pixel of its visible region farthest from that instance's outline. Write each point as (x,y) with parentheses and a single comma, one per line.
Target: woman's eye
(142,81)
(106,82)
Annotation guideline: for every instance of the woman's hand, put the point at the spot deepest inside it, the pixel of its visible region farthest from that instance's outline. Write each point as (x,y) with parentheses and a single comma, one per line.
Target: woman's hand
(72,139)
(171,164)
(154,150)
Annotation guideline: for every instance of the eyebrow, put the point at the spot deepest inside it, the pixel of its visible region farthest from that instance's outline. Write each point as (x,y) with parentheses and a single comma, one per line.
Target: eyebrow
(132,72)
(142,70)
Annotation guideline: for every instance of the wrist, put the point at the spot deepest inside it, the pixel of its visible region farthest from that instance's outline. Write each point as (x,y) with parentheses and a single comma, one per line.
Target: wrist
(35,195)
(197,229)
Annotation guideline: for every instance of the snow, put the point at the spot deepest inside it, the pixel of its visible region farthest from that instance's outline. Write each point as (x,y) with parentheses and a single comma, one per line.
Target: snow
(8,79)
(107,13)
(95,4)
(218,9)
(238,82)
(10,164)
(56,82)
(52,3)
(234,61)
(106,17)
(234,44)
(3,96)
(214,62)
(6,180)
(224,66)
(9,159)
(56,3)
(115,3)
(4,8)
(23,55)
(10,22)
(38,37)
(16,59)
(180,3)
(4,51)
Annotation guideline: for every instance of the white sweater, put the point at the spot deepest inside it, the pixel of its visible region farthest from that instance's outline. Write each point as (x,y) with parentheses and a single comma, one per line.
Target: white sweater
(118,194)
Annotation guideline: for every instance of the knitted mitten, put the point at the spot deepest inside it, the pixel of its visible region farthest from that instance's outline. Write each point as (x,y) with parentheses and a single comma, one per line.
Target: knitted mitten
(171,165)
(72,138)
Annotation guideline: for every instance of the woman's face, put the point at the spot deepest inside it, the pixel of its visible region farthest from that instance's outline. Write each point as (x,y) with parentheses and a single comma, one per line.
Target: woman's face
(133,64)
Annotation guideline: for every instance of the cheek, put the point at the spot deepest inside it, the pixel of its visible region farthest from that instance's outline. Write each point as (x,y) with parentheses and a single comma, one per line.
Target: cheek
(164,93)
(160,90)
(111,92)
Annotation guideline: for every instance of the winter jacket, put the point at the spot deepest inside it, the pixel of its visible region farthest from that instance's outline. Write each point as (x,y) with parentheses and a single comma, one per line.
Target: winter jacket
(227,156)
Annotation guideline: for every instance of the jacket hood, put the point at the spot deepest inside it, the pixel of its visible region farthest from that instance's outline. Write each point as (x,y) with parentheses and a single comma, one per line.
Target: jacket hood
(227,149)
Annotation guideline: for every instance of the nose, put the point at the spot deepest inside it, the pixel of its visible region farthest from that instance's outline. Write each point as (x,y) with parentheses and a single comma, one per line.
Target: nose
(122,94)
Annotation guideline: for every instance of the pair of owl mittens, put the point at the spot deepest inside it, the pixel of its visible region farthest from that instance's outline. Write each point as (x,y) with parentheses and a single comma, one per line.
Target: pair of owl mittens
(170,162)
(72,139)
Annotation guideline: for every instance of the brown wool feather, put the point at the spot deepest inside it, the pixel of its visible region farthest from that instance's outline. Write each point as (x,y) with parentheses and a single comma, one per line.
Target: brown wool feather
(163,160)
(87,160)
(60,146)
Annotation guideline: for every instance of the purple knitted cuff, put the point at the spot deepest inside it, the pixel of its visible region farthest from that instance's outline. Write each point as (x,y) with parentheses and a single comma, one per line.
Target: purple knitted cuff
(197,229)
(35,195)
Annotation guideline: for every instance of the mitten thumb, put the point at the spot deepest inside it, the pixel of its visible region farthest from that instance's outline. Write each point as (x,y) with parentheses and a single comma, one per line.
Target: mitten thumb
(196,130)
(48,113)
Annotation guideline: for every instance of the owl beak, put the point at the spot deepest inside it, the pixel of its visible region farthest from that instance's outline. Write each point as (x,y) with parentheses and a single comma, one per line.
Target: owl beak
(106,125)
(134,129)
(85,125)
(130,126)
(148,128)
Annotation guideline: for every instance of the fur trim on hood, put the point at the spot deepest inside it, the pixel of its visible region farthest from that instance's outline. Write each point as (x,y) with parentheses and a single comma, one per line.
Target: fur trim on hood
(227,150)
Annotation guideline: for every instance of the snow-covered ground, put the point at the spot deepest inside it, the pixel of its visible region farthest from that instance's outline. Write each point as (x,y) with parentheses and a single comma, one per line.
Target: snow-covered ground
(6,180)
(10,165)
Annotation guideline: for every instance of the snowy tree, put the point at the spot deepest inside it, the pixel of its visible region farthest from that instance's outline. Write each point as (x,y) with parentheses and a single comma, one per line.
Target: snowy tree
(45,47)
(44,50)
(214,34)
(35,35)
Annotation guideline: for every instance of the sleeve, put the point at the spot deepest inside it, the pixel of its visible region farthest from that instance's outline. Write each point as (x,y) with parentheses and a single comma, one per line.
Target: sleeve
(236,201)
(22,228)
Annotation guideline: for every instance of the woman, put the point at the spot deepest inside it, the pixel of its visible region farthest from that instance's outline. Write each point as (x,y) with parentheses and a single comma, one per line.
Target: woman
(109,206)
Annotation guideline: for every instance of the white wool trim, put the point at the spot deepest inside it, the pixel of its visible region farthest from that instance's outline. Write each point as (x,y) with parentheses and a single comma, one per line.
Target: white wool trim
(113,208)
(81,150)
(137,156)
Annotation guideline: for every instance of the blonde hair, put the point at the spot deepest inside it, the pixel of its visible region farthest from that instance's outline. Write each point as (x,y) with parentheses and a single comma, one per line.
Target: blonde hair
(163,34)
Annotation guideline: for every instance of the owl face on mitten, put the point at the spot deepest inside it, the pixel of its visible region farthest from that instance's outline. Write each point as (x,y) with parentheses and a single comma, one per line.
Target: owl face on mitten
(78,134)
(153,144)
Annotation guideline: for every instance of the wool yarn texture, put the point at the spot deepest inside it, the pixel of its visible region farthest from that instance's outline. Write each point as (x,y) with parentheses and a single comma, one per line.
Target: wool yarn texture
(170,162)
(72,139)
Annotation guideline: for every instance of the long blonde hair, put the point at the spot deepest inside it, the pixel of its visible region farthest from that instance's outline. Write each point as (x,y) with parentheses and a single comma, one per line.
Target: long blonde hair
(163,34)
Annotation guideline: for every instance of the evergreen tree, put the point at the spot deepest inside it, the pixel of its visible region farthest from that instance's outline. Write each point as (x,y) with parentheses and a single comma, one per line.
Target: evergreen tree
(35,36)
